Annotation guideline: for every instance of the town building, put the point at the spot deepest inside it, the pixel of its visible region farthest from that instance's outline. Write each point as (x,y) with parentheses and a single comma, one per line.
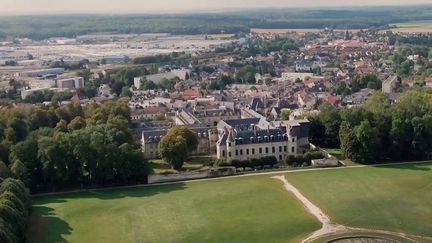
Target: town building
(389,85)
(71,83)
(182,74)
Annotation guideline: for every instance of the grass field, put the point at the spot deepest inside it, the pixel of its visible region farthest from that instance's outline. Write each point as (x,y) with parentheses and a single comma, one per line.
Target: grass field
(395,198)
(249,209)
(299,31)
(413,27)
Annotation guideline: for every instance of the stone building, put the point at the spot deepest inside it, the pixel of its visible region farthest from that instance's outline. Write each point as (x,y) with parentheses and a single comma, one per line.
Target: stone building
(207,139)
(245,139)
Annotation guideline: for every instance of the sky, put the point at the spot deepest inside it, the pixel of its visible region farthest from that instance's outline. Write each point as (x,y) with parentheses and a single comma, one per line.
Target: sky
(168,6)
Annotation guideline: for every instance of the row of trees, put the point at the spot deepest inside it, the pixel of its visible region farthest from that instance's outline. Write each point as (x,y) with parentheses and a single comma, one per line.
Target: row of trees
(378,130)
(175,56)
(14,208)
(47,95)
(252,163)
(72,146)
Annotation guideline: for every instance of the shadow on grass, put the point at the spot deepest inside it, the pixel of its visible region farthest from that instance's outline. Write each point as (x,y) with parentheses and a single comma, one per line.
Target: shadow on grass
(109,194)
(45,227)
(418,166)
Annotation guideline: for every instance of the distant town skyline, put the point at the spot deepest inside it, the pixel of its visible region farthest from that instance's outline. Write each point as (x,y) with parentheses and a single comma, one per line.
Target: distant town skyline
(168,6)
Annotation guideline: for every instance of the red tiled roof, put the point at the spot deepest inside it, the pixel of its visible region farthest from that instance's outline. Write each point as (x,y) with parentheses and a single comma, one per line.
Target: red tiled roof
(332,99)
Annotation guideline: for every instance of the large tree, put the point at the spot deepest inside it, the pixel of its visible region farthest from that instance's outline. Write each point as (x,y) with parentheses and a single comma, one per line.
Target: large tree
(177,144)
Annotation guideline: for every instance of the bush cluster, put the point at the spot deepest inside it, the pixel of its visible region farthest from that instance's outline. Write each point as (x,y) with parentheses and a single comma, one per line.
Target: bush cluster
(303,159)
(14,209)
(255,163)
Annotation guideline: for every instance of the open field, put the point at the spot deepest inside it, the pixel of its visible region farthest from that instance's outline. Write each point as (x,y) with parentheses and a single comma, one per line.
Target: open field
(247,209)
(396,198)
(299,31)
(413,27)
(221,36)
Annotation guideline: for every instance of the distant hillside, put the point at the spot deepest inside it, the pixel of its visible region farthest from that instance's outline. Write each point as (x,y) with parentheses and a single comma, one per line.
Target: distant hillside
(40,27)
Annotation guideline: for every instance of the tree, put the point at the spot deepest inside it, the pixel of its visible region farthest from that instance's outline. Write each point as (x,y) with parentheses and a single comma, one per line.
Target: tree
(77,123)
(285,114)
(369,144)
(4,171)
(86,74)
(126,92)
(61,126)
(19,170)
(330,118)
(176,145)
(167,84)
(117,87)
(246,74)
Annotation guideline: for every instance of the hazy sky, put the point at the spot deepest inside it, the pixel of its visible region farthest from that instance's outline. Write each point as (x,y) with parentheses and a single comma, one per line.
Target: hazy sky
(151,6)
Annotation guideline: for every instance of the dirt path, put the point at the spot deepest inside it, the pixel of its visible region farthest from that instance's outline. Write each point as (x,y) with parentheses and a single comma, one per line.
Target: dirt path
(327,227)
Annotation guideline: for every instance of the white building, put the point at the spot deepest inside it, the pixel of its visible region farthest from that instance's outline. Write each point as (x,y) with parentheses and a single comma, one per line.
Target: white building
(71,83)
(182,74)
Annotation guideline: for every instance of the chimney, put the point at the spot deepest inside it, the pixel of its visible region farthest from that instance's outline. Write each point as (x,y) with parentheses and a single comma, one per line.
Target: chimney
(253,129)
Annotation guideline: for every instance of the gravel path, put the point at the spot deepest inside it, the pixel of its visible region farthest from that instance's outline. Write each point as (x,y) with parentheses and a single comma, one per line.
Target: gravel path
(327,226)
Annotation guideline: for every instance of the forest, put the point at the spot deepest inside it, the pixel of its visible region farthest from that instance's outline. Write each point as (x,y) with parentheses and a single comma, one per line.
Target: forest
(54,148)
(42,27)
(378,130)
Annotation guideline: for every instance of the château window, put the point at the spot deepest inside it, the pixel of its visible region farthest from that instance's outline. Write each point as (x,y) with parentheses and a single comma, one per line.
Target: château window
(260,150)
(292,149)
(273,150)
(253,151)
(267,150)
(247,151)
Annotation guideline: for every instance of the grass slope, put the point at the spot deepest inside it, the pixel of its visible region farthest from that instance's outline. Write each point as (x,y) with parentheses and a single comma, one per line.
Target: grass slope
(396,198)
(253,209)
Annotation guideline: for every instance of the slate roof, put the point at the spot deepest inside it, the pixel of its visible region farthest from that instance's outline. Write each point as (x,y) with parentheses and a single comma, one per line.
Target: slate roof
(239,122)
(256,103)
(249,136)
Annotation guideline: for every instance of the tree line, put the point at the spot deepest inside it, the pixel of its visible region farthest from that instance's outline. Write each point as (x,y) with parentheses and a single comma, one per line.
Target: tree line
(378,130)
(72,146)
(15,206)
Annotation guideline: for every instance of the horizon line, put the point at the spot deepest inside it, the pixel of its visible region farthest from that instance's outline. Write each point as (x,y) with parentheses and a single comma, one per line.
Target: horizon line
(201,11)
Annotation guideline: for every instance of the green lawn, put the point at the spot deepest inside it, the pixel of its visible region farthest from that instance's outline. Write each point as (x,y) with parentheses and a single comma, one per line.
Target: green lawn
(248,209)
(414,26)
(396,198)
(336,152)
